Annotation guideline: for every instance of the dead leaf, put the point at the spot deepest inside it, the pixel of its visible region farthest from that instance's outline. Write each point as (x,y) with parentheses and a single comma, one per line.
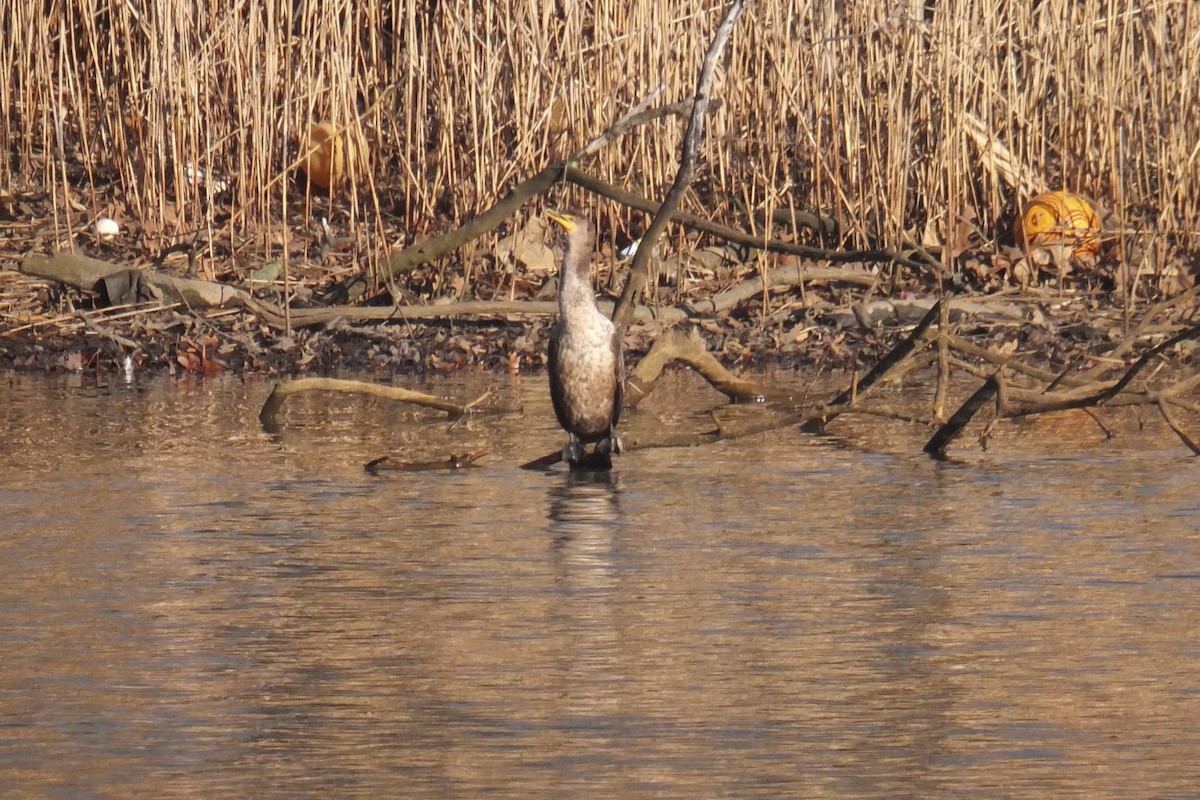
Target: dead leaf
(963,234)
(528,247)
(931,235)
(1022,272)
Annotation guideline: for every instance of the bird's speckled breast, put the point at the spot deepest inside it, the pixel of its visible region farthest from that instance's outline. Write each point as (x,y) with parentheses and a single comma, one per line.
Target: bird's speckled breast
(588,373)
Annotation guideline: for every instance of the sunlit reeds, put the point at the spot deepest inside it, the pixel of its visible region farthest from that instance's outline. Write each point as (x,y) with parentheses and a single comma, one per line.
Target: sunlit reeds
(881,115)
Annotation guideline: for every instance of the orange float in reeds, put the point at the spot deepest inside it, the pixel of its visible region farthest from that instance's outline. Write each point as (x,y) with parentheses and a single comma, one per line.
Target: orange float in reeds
(331,156)
(1059,217)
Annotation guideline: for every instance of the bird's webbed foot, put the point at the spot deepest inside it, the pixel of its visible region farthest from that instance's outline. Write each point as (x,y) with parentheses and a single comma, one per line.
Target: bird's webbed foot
(574,452)
(610,444)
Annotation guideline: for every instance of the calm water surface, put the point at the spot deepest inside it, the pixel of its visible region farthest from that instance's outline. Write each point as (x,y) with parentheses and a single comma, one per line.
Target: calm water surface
(190,607)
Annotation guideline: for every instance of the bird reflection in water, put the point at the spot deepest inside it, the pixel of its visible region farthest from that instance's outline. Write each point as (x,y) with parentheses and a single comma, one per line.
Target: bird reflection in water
(585,500)
(585,515)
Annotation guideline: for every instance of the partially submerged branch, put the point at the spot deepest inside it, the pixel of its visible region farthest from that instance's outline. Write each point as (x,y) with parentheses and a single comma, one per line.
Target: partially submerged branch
(676,345)
(451,463)
(269,415)
(1014,402)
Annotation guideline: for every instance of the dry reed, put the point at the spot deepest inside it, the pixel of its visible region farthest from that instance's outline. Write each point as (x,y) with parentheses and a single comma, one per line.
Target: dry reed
(859,110)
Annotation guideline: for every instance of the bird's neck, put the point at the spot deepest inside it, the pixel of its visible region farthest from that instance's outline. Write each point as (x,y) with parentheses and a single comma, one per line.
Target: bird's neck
(575,295)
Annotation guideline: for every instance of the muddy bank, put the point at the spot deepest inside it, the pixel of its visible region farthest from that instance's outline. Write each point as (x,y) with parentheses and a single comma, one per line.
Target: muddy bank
(48,327)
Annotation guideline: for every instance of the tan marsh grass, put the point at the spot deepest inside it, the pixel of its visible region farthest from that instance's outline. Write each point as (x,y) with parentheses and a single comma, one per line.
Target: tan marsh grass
(893,117)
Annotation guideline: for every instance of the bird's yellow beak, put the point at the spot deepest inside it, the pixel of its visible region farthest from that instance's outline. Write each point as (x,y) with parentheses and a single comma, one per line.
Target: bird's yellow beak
(562,218)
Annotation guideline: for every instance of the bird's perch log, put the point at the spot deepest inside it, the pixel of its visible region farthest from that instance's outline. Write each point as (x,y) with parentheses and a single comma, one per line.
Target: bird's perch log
(676,345)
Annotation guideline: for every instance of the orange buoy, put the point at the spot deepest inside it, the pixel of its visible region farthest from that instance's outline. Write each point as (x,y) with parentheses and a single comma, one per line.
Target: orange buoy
(331,156)
(1055,217)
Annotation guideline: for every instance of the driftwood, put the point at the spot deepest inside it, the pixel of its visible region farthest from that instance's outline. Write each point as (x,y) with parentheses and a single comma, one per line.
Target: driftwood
(122,286)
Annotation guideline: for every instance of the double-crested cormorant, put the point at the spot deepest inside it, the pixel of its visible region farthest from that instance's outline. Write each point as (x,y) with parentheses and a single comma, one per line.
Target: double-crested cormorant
(587,369)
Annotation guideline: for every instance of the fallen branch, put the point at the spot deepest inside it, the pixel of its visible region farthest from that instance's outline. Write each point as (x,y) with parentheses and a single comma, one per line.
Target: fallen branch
(892,361)
(657,439)
(410,258)
(482,309)
(1183,435)
(269,415)
(788,276)
(120,285)
(1014,402)
(760,242)
(504,309)
(936,446)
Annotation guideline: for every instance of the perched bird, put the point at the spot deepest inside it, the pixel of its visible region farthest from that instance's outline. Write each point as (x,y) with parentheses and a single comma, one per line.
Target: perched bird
(587,370)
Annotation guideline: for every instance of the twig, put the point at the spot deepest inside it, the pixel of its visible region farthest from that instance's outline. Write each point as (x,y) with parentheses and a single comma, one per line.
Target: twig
(638,115)
(1175,426)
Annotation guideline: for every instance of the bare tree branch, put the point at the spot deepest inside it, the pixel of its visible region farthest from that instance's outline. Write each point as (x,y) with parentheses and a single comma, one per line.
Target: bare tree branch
(687,166)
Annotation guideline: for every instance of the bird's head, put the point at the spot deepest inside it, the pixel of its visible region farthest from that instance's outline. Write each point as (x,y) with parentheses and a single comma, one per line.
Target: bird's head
(577,227)
(580,237)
